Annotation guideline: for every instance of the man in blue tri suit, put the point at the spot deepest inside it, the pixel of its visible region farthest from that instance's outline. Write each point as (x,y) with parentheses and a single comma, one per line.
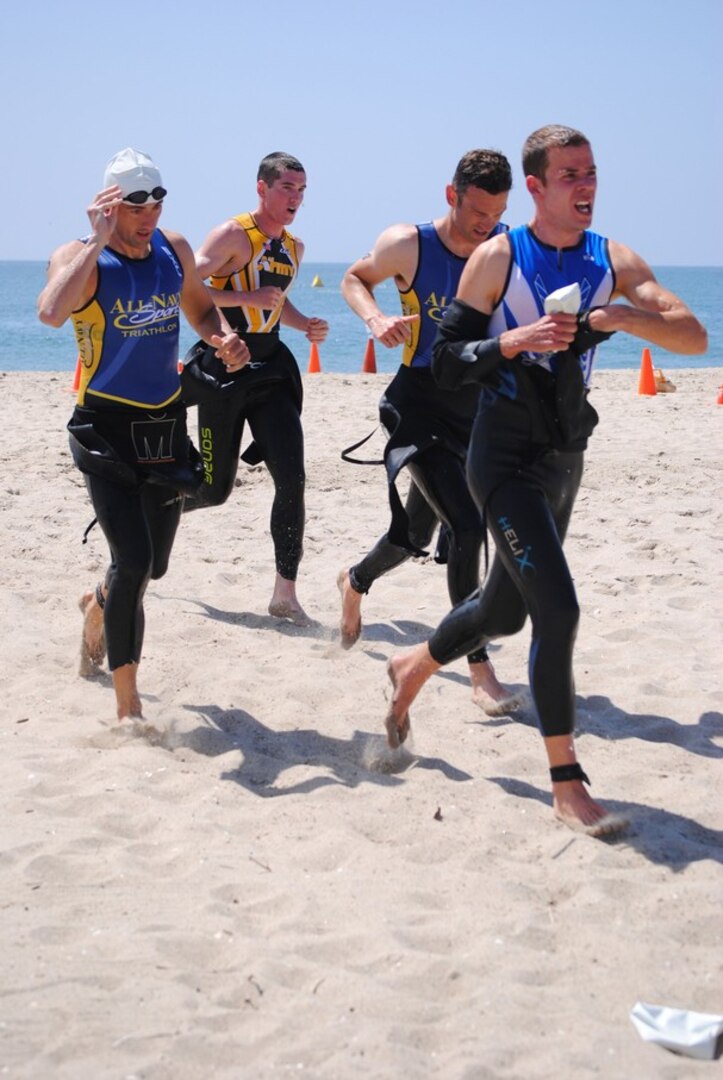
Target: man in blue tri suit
(124,287)
(429,428)
(510,331)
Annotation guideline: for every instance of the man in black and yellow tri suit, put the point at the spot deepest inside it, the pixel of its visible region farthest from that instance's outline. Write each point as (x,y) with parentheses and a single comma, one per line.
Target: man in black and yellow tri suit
(252,260)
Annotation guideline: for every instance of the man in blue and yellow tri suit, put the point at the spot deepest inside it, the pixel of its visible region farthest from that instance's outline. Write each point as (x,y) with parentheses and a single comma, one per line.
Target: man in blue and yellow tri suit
(429,428)
(252,260)
(124,287)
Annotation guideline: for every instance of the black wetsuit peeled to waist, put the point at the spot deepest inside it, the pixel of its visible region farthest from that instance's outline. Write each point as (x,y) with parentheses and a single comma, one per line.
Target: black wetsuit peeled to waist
(429,431)
(128,431)
(268,393)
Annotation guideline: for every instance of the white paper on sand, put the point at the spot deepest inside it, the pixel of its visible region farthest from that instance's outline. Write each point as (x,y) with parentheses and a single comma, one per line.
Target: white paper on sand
(565,301)
(692,1033)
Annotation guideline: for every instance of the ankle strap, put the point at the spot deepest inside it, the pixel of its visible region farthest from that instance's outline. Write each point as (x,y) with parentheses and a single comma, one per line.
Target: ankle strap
(560,773)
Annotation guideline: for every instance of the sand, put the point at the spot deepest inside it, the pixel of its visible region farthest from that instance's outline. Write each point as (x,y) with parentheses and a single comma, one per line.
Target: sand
(254,886)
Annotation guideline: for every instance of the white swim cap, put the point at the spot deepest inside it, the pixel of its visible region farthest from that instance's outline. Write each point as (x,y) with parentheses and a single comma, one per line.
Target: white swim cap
(135,174)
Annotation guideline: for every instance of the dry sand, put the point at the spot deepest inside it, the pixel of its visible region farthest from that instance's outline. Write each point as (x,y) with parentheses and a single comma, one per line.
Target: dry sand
(261,890)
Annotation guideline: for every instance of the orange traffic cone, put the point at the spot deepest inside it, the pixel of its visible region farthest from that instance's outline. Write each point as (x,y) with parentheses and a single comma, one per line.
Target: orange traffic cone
(646,384)
(720,396)
(369,364)
(76,378)
(314,365)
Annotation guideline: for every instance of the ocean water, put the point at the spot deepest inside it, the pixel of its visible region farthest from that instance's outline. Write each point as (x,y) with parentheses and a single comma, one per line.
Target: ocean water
(27,345)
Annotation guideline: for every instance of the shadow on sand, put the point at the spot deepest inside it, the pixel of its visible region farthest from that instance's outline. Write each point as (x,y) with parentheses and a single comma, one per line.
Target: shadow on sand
(660,836)
(266,754)
(598,716)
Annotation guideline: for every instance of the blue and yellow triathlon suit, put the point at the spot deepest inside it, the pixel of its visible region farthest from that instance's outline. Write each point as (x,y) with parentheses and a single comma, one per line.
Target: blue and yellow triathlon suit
(429,431)
(267,392)
(128,430)
(525,462)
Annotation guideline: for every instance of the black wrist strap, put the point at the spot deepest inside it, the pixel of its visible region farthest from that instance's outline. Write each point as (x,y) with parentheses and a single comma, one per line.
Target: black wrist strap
(560,773)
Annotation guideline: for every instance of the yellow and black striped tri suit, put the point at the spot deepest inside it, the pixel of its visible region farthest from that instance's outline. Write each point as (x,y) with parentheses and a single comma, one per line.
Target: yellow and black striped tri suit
(273,261)
(267,393)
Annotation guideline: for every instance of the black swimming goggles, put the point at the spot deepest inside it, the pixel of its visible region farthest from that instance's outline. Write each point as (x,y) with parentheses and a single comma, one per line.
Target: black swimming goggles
(140,197)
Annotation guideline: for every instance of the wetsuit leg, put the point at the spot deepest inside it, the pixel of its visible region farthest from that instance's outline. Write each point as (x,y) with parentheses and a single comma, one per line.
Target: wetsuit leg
(276,427)
(385,556)
(220,427)
(528,518)
(140,527)
(441,477)
(162,508)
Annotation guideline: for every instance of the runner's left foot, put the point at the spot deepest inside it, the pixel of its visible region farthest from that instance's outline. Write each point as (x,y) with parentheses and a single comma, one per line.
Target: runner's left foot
(351,620)
(92,641)
(293,613)
(491,696)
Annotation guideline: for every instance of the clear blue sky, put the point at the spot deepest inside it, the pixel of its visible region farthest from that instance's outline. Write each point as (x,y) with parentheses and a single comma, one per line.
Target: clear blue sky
(378,99)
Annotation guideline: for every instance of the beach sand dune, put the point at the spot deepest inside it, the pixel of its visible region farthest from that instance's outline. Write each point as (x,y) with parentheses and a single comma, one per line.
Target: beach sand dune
(252,885)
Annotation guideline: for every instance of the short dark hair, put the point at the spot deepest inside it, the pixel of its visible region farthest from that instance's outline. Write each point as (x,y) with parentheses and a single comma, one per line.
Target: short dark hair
(535,152)
(274,164)
(486,169)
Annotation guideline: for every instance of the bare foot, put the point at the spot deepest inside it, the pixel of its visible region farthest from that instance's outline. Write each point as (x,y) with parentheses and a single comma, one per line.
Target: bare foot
(408,673)
(576,809)
(131,711)
(292,612)
(284,604)
(397,722)
(92,641)
(351,621)
(491,696)
(128,702)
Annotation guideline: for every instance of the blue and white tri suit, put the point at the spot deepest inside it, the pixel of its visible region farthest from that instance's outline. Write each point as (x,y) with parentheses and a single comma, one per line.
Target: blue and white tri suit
(523,477)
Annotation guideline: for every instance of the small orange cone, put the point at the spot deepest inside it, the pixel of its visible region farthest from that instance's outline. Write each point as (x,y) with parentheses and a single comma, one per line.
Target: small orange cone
(369,364)
(76,378)
(646,384)
(314,365)
(720,395)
